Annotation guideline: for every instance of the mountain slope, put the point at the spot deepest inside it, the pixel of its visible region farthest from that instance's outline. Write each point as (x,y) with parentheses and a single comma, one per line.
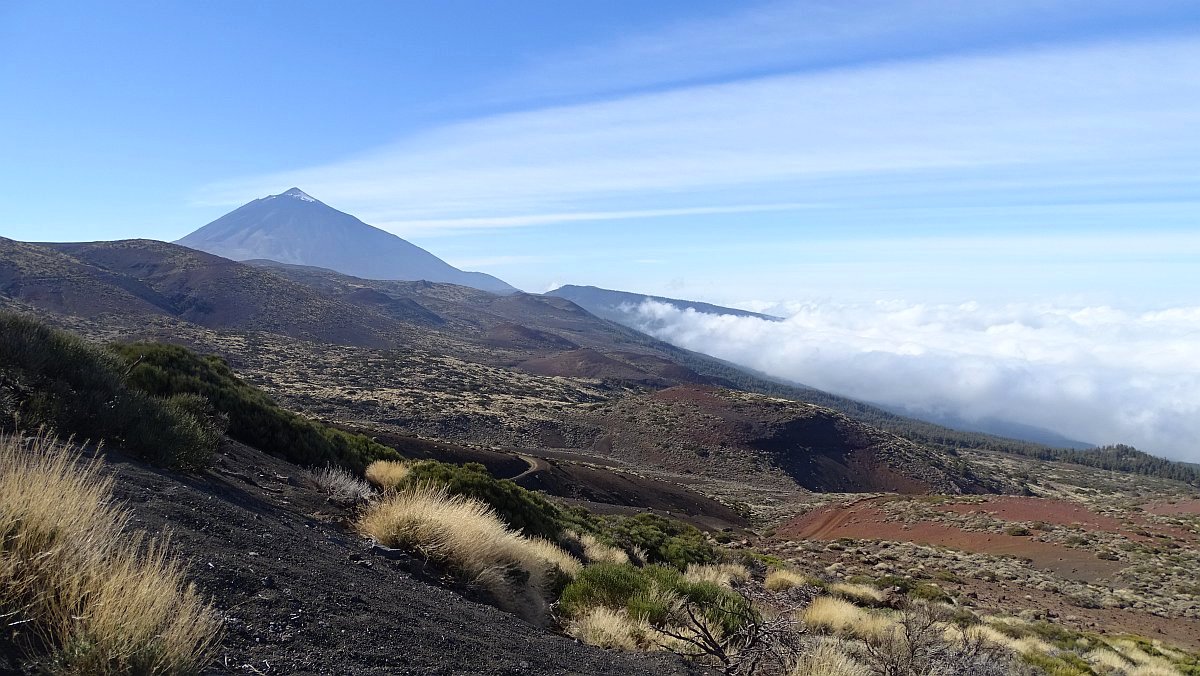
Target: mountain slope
(617,305)
(141,278)
(293,227)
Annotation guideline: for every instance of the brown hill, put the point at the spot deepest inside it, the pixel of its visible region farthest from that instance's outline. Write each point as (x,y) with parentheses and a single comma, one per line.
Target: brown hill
(723,433)
(137,278)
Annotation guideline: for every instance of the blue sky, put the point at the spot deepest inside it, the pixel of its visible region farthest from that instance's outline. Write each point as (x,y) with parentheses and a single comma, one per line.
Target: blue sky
(985,209)
(912,149)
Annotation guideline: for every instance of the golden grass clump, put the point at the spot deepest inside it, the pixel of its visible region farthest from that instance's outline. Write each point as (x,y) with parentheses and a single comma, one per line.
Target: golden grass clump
(858,593)
(828,658)
(842,617)
(88,596)
(722,574)
(595,551)
(1157,669)
(607,628)
(467,536)
(783,580)
(387,475)
(1107,661)
(1146,664)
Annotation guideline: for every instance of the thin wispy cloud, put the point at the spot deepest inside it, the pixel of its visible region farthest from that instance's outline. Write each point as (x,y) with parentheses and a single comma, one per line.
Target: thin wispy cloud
(773,37)
(1017,124)
(446,226)
(1094,373)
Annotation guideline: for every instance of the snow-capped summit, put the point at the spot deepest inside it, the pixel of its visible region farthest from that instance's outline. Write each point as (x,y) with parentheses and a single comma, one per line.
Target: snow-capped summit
(298,194)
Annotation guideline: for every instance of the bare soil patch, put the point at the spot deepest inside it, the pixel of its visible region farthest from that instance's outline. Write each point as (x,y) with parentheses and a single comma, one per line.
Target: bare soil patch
(1176,508)
(864,521)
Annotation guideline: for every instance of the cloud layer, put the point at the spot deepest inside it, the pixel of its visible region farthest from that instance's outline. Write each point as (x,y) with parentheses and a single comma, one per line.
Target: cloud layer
(1096,374)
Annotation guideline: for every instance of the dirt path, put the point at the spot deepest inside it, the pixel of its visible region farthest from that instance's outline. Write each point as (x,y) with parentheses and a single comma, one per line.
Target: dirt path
(535,465)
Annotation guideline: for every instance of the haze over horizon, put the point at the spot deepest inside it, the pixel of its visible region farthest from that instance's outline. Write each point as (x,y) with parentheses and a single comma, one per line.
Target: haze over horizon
(986,208)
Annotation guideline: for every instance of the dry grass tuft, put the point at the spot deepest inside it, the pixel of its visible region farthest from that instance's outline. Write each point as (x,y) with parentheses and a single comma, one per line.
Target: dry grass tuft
(842,617)
(92,598)
(608,628)
(387,475)
(1157,669)
(595,551)
(828,658)
(722,574)
(1105,661)
(858,593)
(466,536)
(340,484)
(1146,664)
(783,580)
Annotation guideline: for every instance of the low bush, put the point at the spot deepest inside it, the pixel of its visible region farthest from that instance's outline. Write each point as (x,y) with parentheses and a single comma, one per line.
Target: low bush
(467,537)
(663,540)
(55,379)
(80,594)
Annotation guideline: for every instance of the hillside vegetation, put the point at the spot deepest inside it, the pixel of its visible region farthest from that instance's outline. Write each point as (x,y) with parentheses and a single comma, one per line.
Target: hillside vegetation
(55,379)
(254,418)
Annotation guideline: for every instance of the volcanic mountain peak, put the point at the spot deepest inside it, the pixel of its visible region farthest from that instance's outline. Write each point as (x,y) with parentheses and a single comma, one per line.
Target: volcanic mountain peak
(296,228)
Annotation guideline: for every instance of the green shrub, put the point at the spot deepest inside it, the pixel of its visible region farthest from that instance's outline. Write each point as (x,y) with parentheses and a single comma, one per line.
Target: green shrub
(929,592)
(254,418)
(610,585)
(653,594)
(664,540)
(902,584)
(56,379)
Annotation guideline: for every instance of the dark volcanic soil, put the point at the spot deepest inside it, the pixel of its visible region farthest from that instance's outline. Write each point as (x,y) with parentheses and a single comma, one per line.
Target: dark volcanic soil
(300,595)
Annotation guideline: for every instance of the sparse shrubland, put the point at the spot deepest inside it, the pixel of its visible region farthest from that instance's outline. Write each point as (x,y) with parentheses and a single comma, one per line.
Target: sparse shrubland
(55,379)
(78,594)
(467,537)
(254,418)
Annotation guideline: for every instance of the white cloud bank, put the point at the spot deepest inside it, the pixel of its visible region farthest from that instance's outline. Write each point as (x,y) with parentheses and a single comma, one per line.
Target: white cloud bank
(1096,374)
